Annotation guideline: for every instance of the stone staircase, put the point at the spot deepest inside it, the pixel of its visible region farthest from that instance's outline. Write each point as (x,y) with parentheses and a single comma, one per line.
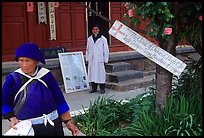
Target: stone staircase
(121,77)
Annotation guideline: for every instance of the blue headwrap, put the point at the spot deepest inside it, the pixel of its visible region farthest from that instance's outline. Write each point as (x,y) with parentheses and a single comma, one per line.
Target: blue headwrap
(30,50)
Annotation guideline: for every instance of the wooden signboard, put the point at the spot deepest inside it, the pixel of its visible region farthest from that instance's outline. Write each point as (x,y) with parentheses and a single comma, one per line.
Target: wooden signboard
(73,71)
(147,48)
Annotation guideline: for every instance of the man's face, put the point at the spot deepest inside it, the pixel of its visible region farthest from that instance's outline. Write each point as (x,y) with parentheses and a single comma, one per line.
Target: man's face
(95,30)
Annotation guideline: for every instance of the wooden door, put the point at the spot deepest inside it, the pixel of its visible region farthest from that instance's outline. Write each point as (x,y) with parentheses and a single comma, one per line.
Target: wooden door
(117,12)
(14,28)
(71,26)
(20,26)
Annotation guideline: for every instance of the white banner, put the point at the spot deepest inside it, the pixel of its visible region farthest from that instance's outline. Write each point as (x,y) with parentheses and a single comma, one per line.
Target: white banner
(42,16)
(147,48)
(52,21)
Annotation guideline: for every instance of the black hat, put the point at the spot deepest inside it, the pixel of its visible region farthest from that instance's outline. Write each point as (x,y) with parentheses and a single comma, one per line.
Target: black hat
(96,25)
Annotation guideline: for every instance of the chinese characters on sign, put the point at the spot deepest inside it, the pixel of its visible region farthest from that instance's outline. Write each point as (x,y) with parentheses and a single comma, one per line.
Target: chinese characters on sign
(42,17)
(52,20)
(147,48)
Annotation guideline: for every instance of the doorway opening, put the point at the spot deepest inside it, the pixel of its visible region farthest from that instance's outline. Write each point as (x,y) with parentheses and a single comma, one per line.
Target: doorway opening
(103,9)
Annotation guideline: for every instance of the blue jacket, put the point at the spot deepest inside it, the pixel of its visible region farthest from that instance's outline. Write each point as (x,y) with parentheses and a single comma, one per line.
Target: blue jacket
(38,99)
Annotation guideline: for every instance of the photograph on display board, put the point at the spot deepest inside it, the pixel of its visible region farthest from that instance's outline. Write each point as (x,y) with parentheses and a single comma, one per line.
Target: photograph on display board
(73,71)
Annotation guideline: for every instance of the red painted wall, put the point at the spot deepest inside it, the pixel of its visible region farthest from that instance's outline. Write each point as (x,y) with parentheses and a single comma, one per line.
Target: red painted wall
(20,26)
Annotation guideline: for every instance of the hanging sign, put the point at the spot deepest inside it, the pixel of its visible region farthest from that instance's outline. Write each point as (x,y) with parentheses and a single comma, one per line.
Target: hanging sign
(42,17)
(56,4)
(52,20)
(147,48)
(30,6)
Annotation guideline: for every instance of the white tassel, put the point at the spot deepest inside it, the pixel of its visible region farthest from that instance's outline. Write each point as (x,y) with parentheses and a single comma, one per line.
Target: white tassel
(46,118)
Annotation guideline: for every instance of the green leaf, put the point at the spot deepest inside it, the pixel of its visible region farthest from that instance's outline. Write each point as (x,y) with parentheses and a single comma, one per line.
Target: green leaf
(148,4)
(188,134)
(164,3)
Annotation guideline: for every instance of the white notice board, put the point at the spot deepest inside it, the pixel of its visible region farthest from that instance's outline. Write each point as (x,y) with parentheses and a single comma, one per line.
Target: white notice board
(73,71)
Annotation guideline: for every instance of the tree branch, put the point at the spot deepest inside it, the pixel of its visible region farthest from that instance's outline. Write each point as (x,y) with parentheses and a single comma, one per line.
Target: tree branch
(110,21)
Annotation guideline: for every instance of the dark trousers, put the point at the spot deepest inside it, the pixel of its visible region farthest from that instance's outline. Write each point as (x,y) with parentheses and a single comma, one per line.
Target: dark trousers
(95,85)
(49,130)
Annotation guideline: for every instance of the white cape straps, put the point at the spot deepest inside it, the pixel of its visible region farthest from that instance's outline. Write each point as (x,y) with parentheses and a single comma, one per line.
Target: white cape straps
(40,74)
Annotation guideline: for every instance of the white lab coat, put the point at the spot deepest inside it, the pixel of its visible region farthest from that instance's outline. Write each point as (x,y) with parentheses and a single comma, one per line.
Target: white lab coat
(97,54)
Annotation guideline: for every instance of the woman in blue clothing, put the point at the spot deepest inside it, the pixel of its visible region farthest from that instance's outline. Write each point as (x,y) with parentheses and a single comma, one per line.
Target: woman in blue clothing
(32,93)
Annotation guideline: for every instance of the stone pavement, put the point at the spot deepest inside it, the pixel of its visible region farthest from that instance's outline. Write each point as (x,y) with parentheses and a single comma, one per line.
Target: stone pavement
(78,100)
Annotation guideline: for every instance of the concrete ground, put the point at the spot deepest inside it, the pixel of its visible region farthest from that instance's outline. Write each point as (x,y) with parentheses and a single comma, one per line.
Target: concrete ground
(78,100)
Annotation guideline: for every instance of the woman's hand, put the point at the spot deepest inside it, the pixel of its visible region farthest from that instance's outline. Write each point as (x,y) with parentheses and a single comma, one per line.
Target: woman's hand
(72,128)
(67,116)
(13,122)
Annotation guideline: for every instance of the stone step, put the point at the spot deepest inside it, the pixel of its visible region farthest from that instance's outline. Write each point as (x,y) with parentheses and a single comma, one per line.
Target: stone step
(116,67)
(151,72)
(118,77)
(148,80)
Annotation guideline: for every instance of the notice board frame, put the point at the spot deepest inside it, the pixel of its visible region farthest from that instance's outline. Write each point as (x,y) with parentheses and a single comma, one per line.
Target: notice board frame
(73,71)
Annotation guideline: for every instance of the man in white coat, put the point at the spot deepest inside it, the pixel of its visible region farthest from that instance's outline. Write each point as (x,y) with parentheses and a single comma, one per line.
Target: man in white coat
(97,54)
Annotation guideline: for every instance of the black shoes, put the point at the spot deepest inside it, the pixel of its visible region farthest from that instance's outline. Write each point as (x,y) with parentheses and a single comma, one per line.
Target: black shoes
(102,91)
(94,87)
(92,91)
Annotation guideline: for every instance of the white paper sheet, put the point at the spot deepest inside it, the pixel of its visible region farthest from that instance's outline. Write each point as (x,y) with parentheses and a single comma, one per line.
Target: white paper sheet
(24,128)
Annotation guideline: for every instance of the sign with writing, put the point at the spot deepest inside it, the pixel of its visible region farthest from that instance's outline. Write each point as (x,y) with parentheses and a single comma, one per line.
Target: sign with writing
(73,71)
(42,17)
(147,48)
(52,52)
(52,21)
